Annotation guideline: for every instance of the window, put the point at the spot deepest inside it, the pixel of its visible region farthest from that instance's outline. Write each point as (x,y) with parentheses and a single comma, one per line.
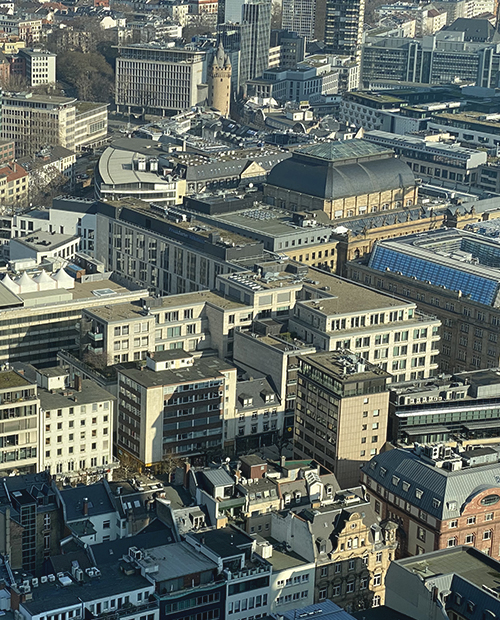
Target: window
(471,520)
(453,523)
(377,579)
(350,587)
(488,516)
(487,535)
(452,542)
(469,539)
(378,557)
(322,594)
(106,525)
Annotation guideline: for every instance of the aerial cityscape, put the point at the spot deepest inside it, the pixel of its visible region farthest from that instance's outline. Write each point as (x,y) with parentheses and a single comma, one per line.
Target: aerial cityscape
(249,310)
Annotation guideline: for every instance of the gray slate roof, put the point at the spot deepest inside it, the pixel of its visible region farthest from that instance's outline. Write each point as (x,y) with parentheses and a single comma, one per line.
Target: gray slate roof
(97,495)
(218,477)
(332,180)
(446,487)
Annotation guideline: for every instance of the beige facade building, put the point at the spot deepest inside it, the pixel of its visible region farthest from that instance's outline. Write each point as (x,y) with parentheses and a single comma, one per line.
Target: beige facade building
(343,179)
(173,407)
(33,121)
(91,124)
(383,330)
(76,427)
(341,412)
(36,121)
(351,549)
(158,79)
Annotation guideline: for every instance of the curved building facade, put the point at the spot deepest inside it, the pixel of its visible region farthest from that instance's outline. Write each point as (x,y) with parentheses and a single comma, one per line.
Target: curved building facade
(344,179)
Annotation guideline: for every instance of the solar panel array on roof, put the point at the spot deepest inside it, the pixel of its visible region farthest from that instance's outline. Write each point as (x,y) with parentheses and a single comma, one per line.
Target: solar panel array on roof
(480,289)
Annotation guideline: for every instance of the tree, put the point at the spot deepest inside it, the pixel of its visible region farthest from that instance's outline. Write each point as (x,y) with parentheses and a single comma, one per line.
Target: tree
(14,83)
(170,463)
(90,74)
(45,183)
(198,25)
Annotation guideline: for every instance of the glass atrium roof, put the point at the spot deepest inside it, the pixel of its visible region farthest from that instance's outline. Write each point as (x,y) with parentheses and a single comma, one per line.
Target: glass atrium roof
(480,288)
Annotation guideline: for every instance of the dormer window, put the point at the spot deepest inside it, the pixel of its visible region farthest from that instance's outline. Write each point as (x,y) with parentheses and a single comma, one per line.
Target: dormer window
(418,493)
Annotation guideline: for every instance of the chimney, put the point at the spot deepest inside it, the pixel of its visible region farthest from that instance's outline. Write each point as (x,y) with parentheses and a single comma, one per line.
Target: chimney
(283,461)
(85,506)
(78,383)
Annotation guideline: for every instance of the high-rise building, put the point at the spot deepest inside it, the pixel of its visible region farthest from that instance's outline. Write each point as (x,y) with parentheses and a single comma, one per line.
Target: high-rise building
(229,11)
(299,16)
(344,27)
(257,14)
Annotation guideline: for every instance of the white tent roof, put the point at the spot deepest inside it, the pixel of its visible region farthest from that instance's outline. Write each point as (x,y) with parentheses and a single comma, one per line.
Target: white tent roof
(63,279)
(10,284)
(44,281)
(26,283)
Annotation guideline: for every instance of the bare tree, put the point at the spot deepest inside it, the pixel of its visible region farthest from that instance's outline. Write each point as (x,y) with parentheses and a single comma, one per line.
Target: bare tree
(99,361)
(45,183)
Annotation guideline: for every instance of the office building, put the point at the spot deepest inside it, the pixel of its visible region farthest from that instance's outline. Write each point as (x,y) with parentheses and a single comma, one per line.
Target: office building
(452,274)
(454,408)
(446,57)
(306,82)
(173,407)
(341,412)
(292,47)
(156,79)
(344,27)
(343,179)
(440,498)
(19,410)
(434,161)
(257,15)
(299,16)
(40,66)
(34,122)
(229,11)
(91,125)
(44,120)
(27,335)
(180,268)
(368,324)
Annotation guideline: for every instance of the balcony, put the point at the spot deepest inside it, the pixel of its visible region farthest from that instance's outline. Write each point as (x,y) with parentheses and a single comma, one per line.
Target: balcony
(96,336)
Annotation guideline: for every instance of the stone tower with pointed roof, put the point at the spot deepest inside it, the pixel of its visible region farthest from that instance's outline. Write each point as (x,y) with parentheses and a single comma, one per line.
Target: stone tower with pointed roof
(219,82)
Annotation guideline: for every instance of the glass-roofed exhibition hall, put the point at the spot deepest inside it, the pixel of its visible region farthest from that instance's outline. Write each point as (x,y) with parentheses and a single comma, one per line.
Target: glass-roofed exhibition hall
(449,258)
